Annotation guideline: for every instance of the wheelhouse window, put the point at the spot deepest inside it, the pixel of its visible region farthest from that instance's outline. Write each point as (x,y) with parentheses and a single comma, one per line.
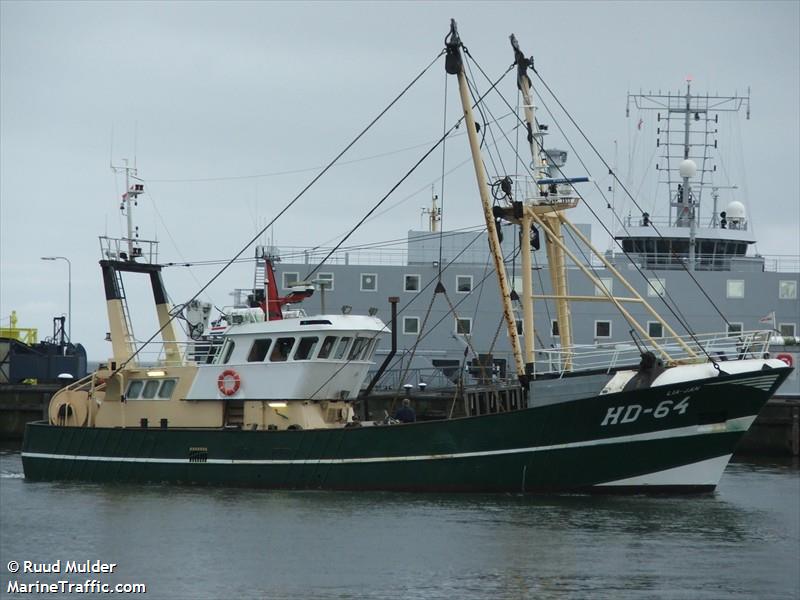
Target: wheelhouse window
(788,329)
(787,289)
(606,286)
(369,282)
(655,329)
(341,348)
(150,389)
(282,349)
(657,287)
(602,329)
(166,389)
(411,283)
(134,389)
(463,284)
(327,346)
(289,279)
(359,345)
(463,326)
(259,349)
(411,325)
(227,351)
(735,288)
(325,280)
(306,347)
(735,329)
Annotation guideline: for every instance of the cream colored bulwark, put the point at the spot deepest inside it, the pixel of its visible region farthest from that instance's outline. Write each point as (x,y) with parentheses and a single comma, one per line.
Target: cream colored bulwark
(308,415)
(178,411)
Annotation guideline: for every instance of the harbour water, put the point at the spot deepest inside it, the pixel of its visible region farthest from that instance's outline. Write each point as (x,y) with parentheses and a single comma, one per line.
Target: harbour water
(182,542)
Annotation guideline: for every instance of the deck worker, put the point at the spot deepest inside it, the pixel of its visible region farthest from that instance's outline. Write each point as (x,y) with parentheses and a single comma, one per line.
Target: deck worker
(406,414)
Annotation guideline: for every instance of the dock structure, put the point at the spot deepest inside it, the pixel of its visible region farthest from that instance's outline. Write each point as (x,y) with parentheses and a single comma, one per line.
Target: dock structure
(22,403)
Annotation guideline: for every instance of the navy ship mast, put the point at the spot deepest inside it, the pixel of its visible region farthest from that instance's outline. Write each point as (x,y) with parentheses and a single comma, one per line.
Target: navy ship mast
(687,136)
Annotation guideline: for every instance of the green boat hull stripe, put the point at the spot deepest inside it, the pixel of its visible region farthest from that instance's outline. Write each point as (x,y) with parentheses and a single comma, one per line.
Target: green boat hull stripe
(738,424)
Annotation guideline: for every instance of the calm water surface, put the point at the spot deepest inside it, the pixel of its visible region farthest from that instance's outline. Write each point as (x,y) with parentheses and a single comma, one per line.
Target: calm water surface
(182,542)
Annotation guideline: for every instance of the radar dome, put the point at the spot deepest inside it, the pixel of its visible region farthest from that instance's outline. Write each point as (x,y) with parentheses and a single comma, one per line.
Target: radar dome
(736,210)
(688,169)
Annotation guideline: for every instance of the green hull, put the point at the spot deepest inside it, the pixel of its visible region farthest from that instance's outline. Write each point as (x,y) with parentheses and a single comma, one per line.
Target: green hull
(570,446)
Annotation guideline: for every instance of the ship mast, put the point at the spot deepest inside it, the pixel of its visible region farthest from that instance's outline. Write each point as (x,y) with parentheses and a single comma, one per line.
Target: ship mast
(454,65)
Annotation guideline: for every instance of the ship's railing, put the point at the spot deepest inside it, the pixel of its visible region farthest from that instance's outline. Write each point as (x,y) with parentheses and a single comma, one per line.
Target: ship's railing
(661,221)
(127,249)
(721,347)
(775,263)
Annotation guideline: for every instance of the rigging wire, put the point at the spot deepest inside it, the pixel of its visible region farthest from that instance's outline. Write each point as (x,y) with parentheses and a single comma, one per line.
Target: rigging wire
(670,308)
(404,177)
(285,208)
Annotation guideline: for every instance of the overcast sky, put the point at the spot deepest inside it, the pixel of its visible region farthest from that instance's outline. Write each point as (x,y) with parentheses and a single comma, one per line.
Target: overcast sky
(227,91)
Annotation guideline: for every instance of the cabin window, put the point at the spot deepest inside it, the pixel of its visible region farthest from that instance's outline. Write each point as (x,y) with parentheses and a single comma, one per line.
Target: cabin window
(134,389)
(341,348)
(259,349)
(306,347)
(325,280)
(371,350)
(520,326)
(369,282)
(787,329)
(410,325)
(166,389)
(150,389)
(411,283)
(554,328)
(787,289)
(657,287)
(735,288)
(227,351)
(289,279)
(282,349)
(606,286)
(602,329)
(735,329)
(463,326)
(327,345)
(463,284)
(358,346)
(655,329)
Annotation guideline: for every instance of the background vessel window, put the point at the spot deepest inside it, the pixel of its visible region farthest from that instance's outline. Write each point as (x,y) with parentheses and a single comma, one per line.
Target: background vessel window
(787,289)
(369,282)
(554,328)
(656,287)
(463,326)
(134,389)
(327,345)
(463,284)
(150,389)
(411,283)
(520,326)
(305,349)
(735,328)
(290,278)
(282,349)
(735,288)
(607,285)
(259,349)
(788,329)
(325,280)
(602,329)
(341,348)
(410,325)
(166,389)
(655,329)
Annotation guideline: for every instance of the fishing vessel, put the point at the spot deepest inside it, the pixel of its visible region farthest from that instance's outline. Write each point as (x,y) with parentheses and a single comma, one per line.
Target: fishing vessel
(269,400)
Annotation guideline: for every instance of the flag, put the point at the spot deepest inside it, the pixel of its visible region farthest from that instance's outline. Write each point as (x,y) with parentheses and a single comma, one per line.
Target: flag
(769,318)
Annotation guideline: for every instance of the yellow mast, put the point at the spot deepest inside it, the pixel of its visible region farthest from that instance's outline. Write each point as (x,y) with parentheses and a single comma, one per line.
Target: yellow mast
(455,66)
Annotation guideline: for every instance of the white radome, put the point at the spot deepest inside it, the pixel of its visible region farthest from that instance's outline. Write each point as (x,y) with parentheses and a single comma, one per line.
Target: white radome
(736,210)
(688,169)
